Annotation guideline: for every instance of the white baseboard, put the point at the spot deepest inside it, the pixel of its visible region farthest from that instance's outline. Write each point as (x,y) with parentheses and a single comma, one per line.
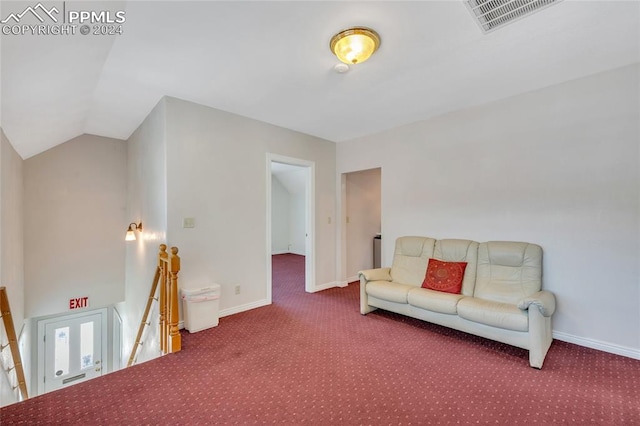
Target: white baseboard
(353,278)
(263,302)
(242,308)
(598,344)
(274,252)
(326,286)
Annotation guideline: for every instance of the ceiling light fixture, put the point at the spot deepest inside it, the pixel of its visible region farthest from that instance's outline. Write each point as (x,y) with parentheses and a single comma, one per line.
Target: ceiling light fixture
(355,45)
(131,235)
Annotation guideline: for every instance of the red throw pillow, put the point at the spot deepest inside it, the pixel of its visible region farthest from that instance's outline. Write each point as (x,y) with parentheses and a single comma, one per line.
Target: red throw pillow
(444,276)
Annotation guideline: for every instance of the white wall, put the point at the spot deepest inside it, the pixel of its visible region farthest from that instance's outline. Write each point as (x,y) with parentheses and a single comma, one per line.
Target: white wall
(279,217)
(363,210)
(146,202)
(11,235)
(11,253)
(217,174)
(288,211)
(74,224)
(7,393)
(294,180)
(559,167)
(297,222)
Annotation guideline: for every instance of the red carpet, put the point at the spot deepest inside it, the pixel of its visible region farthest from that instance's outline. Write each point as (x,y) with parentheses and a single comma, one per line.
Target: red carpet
(313,359)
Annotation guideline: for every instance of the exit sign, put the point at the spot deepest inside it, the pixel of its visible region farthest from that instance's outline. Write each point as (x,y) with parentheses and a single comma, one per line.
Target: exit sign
(79,302)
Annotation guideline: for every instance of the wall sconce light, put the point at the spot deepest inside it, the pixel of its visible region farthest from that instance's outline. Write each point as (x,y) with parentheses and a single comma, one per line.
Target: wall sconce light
(131,235)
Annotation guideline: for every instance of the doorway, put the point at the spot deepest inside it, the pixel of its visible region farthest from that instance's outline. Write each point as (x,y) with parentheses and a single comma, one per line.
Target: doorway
(303,237)
(71,349)
(361,206)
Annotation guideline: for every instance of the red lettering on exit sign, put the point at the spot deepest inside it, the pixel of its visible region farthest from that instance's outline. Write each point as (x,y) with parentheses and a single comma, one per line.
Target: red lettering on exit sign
(80,302)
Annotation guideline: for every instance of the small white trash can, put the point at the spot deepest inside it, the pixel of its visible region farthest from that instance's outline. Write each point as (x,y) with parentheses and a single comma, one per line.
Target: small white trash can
(200,307)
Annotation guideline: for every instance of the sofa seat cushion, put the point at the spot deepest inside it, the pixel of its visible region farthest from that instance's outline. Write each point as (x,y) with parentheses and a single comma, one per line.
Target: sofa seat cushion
(496,314)
(432,300)
(389,290)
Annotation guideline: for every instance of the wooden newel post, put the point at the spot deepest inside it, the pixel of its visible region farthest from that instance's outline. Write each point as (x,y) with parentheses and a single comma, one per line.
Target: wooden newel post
(162,267)
(174,333)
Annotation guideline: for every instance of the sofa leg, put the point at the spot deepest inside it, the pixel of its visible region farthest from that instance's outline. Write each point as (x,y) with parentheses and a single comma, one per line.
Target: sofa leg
(365,309)
(537,364)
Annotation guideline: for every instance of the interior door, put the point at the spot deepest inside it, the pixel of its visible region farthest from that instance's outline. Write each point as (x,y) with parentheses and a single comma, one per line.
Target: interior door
(73,348)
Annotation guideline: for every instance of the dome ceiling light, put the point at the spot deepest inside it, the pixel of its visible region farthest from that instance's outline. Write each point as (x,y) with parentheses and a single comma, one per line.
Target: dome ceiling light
(355,45)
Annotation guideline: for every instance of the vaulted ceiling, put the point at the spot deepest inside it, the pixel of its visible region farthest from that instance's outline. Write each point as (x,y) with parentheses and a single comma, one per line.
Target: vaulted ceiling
(292,178)
(271,61)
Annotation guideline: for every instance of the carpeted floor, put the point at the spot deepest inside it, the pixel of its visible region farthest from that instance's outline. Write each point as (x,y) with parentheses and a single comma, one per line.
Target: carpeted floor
(313,359)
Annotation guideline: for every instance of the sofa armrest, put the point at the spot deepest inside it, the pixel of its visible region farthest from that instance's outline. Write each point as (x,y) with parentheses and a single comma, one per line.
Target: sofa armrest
(545,301)
(380,274)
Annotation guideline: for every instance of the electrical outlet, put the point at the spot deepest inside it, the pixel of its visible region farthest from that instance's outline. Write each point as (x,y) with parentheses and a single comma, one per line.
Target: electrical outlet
(237,289)
(188,222)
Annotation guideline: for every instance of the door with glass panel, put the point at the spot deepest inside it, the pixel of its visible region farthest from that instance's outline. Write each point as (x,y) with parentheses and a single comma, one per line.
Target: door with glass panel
(73,351)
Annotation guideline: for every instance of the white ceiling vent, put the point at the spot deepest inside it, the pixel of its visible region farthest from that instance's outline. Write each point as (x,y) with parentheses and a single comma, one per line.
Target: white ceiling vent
(494,14)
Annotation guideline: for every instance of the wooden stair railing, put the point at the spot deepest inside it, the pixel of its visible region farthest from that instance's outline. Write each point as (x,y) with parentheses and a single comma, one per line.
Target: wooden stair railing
(145,316)
(9,327)
(166,277)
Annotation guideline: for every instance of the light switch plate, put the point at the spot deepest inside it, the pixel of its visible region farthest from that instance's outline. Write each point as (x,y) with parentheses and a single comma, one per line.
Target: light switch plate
(188,222)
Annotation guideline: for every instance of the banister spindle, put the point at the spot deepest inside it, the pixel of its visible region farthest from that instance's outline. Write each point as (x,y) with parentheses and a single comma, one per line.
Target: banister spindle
(162,265)
(174,333)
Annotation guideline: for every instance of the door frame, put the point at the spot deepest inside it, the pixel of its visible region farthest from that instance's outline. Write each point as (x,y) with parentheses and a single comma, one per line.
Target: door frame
(310,261)
(344,231)
(42,323)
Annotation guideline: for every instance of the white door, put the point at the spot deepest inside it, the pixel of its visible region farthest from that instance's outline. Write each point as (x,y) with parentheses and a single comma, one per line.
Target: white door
(73,351)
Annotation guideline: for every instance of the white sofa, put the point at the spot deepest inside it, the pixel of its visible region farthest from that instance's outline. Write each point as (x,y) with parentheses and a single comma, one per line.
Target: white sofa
(501,296)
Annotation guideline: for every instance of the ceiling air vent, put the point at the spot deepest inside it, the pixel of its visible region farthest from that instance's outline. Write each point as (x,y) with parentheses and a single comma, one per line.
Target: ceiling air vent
(494,14)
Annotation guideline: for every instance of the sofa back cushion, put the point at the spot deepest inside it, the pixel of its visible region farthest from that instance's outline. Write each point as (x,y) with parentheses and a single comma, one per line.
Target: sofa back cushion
(508,271)
(460,251)
(410,259)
